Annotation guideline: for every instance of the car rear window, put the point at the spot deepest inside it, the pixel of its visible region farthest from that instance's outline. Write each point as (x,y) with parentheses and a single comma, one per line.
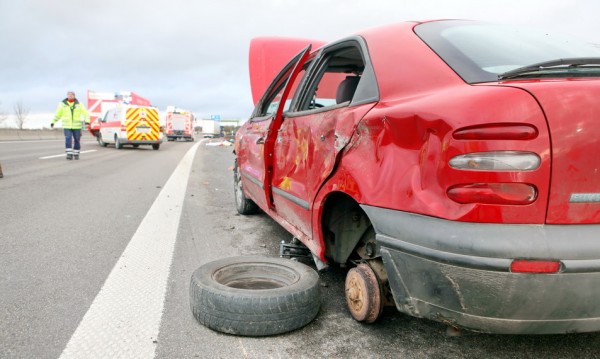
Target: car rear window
(479,52)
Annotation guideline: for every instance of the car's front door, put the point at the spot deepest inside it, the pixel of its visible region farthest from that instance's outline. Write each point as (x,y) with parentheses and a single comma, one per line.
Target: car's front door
(108,125)
(310,139)
(257,139)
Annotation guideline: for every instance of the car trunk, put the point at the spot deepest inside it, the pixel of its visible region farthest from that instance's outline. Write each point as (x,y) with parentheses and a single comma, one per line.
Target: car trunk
(572,109)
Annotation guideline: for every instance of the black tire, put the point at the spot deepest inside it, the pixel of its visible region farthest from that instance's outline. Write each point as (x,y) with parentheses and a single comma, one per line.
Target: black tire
(100,141)
(243,204)
(118,144)
(156,146)
(254,295)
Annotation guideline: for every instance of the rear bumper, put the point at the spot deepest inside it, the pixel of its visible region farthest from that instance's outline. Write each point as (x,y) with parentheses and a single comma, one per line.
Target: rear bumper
(458,273)
(179,135)
(140,142)
(123,138)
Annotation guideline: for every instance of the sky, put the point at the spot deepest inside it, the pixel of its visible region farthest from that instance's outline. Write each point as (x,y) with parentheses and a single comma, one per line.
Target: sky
(193,54)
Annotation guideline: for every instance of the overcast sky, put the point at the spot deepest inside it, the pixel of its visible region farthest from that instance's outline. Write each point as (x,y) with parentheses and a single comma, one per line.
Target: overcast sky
(194,53)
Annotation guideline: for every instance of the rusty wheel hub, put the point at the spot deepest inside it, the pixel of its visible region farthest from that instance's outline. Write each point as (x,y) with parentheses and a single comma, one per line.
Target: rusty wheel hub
(363,294)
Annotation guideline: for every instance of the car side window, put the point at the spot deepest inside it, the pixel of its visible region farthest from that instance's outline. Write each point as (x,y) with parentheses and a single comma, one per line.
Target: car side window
(336,80)
(271,100)
(271,105)
(117,114)
(108,116)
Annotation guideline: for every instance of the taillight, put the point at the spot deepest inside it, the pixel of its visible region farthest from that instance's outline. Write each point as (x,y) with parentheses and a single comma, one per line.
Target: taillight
(123,128)
(496,170)
(496,161)
(534,266)
(493,193)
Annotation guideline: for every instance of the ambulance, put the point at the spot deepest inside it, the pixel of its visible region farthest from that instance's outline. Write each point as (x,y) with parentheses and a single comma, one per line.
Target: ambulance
(179,124)
(100,102)
(130,125)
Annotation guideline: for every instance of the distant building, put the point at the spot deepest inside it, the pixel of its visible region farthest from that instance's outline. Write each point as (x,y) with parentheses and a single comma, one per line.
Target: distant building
(232,122)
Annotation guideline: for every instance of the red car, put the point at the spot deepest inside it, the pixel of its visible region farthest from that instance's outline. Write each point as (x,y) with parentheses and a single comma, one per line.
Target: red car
(451,164)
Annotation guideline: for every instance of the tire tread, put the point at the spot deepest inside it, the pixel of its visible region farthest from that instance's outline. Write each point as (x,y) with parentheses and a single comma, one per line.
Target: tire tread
(254,312)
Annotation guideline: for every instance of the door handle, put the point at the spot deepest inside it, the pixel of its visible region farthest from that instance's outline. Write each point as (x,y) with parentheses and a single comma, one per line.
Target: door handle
(260,141)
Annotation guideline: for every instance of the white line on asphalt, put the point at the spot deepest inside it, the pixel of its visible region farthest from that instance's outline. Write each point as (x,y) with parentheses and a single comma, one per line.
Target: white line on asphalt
(63,155)
(12,142)
(124,319)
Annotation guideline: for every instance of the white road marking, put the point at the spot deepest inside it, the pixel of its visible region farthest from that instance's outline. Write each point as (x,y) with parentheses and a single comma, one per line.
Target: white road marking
(12,142)
(63,155)
(124,319)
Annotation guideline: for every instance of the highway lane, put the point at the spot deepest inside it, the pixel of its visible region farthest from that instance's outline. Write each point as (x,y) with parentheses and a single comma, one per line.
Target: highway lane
(64,225)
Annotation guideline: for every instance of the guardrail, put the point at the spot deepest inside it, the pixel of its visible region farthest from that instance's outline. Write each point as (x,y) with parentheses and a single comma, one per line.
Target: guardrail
(11,134)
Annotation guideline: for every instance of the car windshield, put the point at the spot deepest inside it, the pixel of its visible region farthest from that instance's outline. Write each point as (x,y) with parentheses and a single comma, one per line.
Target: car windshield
(480,52)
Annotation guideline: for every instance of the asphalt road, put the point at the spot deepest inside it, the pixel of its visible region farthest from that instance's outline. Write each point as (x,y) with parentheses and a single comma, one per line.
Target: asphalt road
(67,224)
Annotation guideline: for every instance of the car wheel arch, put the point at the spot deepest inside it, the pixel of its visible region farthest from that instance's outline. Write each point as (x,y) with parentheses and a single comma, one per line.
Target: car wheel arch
(343,224)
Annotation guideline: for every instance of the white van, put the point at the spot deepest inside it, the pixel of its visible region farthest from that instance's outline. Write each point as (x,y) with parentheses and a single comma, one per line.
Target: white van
(130,125)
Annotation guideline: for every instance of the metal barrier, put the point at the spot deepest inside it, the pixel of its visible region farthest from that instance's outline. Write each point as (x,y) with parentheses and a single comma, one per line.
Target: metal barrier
(11,134)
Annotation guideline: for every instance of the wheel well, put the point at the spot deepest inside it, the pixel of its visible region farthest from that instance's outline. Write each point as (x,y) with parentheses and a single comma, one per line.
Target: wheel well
(343,223)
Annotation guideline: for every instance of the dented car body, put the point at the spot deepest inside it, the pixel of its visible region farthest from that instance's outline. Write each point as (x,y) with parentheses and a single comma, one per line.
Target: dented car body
(455,158)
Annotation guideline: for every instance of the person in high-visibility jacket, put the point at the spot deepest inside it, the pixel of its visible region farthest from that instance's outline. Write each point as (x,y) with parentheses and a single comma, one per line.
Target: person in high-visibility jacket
(73,115)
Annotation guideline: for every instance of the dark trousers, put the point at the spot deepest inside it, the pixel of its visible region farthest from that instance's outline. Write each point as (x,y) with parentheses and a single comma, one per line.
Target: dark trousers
(71,135)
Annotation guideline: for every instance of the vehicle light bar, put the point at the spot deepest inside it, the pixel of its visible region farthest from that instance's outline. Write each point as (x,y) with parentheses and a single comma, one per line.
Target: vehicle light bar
(493,193)
(496,161)
(534,266)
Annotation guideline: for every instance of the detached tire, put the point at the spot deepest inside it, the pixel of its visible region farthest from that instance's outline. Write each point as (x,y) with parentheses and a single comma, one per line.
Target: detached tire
(254,296)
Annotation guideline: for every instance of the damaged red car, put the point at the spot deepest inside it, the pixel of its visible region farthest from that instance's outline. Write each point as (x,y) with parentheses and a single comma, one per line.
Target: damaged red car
(452,165)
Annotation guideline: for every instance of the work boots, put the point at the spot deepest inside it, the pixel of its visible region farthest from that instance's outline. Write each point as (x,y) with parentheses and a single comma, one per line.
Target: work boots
(69,156)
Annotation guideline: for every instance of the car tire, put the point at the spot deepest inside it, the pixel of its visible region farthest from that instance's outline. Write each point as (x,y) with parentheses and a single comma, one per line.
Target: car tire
(100,141)
(118,144)
(155,146)
(243,204)
(254,295)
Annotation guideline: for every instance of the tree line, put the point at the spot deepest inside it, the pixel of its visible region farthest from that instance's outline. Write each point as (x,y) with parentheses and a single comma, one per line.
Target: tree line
(20,111)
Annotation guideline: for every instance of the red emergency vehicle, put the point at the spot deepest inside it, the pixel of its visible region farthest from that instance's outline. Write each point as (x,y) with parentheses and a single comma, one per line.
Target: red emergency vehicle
(179,123)
(100,102)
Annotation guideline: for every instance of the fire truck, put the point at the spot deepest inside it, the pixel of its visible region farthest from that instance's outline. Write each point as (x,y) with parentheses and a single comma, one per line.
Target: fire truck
(179,124)
(100,102)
